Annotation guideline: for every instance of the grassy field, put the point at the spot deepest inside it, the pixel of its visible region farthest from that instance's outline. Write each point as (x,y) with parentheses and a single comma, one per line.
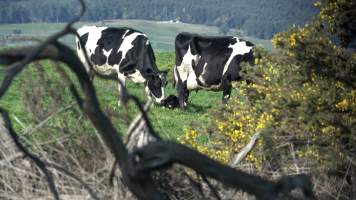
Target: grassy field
(169,123)
(161,34)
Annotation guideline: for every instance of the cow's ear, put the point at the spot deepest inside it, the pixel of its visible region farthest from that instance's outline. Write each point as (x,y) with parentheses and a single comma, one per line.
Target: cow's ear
(249,44)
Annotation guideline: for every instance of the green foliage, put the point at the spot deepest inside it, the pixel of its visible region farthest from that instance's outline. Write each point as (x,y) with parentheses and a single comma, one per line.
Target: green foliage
(331,70)
(340,18)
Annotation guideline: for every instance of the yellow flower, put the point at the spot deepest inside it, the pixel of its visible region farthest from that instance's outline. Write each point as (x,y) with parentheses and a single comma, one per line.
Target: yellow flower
(221,126)
(292,39)
(317,4)
(343,105)
(339,84)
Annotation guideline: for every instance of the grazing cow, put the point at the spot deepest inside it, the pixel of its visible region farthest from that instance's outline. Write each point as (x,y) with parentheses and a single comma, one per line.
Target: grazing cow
(212,63)
(124,52)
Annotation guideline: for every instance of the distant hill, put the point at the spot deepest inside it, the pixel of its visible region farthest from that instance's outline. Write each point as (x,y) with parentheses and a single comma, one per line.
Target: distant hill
(161,33)
(261,18)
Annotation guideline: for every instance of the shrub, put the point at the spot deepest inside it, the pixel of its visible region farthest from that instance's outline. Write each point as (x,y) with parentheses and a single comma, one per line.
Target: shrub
(303,100)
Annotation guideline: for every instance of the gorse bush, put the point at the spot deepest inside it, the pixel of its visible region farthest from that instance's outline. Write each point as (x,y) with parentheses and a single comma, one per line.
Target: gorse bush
(302,100)
(215,149)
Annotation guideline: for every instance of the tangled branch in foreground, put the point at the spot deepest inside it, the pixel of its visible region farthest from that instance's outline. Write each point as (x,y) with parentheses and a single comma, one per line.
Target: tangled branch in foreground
(137,166)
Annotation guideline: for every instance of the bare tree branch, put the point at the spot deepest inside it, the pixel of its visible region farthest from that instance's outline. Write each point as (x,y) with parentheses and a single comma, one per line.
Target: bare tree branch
(215,193)
(144,116)
(163,154)
(140,184)
(42,123)
(34,158)
(70,174)
(8,160)
(137,120)
(246,150)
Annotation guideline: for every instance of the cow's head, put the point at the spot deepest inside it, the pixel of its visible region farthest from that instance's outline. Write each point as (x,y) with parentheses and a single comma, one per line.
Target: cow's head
(171,102)
(155,79)
(155,85)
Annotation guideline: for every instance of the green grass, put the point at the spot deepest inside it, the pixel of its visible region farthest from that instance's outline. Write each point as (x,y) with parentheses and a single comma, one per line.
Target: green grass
(161,34)
(169,123)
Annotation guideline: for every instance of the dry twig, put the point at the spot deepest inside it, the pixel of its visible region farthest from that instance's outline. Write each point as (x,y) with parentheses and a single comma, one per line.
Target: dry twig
(246,150)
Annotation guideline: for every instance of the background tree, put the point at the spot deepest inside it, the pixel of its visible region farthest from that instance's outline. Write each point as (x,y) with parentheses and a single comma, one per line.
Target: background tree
(261,18)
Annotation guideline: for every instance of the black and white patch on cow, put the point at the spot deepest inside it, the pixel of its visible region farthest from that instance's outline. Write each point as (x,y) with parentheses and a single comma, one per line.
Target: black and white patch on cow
(209,63)
(125,53)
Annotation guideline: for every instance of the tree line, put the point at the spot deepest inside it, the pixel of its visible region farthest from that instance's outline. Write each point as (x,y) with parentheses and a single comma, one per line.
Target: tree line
(261,18)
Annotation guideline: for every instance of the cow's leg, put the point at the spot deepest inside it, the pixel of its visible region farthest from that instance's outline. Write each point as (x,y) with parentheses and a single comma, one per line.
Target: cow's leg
(226,91)
(91,75)
(121,85)
(183,94)
(186,96)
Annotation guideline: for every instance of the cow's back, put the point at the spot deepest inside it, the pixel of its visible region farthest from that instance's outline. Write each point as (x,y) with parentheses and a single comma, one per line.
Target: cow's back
(202,45)
(110,48)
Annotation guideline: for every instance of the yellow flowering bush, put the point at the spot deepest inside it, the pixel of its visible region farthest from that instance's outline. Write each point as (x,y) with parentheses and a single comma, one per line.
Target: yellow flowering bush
(288,108)
(339,16)
(302,100)
(348,102)
(219,152)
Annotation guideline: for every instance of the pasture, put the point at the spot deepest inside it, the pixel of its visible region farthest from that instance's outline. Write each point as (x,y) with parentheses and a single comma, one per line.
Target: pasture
(169,123)
(161,34)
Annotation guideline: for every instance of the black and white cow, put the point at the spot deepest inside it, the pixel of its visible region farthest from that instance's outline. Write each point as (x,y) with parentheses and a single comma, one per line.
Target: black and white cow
(212,63)
(124,52)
